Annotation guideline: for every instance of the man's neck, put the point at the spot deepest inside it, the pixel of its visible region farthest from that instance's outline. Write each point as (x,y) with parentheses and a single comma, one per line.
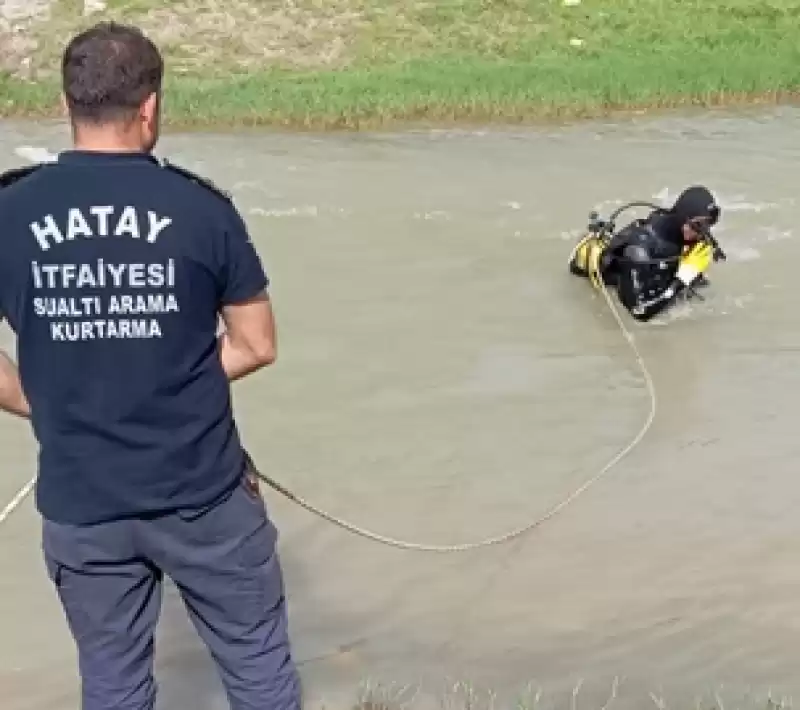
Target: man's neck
(106,139)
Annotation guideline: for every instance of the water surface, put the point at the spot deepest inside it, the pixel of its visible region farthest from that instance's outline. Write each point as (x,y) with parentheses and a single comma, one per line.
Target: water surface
(442,378)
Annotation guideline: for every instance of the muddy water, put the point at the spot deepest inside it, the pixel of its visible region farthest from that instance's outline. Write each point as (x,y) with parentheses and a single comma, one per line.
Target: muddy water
(442,379)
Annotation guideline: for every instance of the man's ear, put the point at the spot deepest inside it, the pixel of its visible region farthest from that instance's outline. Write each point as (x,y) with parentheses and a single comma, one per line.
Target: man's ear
(149,110)
(64,106)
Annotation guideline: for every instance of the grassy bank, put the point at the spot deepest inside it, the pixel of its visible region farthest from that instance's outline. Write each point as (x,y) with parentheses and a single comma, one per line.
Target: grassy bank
(358,63)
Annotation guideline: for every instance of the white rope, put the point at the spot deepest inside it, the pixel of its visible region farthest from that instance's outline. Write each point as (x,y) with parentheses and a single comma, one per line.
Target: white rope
(463,547)
(21,495)
(26,489)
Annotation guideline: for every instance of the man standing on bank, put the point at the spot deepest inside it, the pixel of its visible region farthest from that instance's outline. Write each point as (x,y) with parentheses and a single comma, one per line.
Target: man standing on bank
(115,269)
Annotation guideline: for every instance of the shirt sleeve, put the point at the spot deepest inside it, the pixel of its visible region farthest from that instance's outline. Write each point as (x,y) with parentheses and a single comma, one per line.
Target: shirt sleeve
(241,274)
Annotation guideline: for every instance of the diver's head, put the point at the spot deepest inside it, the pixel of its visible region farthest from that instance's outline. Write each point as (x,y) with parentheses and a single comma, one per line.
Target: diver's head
(696,211)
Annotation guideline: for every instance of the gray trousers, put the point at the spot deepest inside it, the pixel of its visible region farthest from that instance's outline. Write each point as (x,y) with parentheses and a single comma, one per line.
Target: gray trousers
(224,563)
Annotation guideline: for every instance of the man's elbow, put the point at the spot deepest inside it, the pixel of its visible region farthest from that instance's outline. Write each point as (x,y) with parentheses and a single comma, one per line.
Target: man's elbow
(264,354)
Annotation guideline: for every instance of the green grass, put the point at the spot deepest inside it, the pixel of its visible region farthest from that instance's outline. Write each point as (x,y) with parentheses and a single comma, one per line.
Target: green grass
(465,696)
(366,63)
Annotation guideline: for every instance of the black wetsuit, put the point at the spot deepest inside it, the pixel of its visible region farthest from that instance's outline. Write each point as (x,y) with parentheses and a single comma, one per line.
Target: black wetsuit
(642,259)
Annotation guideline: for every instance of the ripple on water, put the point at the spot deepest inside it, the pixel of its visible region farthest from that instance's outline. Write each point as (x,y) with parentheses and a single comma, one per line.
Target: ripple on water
(772,234)
(740,253)
(737,203)
(303,211)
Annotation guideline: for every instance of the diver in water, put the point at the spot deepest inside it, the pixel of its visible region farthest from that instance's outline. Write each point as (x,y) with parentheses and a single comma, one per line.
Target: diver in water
(652,262)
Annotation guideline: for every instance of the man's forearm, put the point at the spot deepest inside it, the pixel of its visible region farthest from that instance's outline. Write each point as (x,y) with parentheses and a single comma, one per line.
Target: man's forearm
(239,361)
(12,398)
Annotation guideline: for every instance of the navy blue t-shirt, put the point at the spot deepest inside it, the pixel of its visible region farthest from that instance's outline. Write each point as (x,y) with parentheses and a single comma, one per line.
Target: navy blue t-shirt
(114,269)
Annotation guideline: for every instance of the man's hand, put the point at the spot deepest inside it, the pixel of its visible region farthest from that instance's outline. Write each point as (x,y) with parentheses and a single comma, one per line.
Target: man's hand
(249,340)
(12,398)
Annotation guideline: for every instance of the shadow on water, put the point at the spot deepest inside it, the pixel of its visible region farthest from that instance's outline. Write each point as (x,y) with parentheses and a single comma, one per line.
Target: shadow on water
(441,378)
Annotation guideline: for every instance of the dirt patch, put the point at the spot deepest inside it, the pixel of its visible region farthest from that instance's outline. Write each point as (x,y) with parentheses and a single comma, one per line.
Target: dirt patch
(21,10)
(17,43)
(197,36)
(245,35)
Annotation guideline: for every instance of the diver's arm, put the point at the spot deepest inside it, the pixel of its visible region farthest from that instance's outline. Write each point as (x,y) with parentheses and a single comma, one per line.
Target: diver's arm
(649,309)
(637,273)
(691,270)
(683,280)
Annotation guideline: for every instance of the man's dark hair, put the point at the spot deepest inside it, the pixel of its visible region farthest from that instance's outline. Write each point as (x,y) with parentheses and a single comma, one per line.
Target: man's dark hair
(108,71)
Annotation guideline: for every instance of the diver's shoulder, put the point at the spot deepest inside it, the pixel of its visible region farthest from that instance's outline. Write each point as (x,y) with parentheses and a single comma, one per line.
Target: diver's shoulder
(198,182)
(657,216)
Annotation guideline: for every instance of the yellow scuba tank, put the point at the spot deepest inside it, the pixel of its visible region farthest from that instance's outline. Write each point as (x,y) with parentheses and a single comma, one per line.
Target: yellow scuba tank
(586,256)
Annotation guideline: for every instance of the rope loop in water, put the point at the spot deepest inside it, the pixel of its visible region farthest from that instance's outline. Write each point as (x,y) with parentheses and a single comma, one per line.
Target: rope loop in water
(462,547)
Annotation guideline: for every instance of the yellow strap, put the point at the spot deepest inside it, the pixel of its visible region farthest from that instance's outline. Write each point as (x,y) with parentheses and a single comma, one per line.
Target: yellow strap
(596,250)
